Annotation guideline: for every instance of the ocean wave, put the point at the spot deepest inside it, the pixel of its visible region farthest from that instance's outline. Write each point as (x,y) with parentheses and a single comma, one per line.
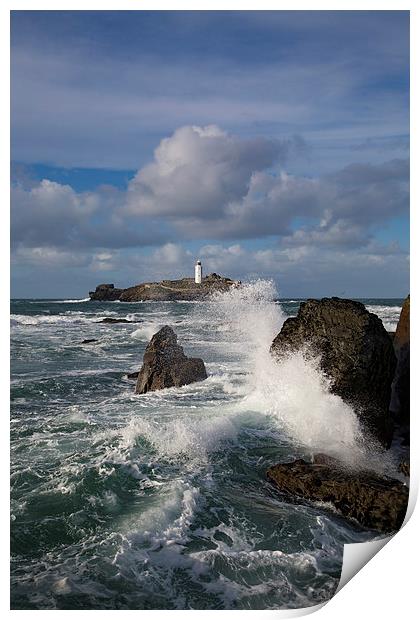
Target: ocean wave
(389,315)
(160,499)
(51,319)
(145,332)
(71,301)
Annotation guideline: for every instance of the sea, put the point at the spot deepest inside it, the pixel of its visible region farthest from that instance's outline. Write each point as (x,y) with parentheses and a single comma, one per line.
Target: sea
(160,501)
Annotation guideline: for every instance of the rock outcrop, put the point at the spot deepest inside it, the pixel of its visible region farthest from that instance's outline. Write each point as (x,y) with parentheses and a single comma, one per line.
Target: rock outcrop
(400,401)
(106,292)
(165,364)
(355,351)
(167,290)
(377,503)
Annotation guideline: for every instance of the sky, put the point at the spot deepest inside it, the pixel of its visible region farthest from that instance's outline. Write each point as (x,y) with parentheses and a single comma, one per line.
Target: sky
(269,144)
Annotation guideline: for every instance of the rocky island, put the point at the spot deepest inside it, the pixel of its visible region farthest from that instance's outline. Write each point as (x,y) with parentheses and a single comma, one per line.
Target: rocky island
(185,289)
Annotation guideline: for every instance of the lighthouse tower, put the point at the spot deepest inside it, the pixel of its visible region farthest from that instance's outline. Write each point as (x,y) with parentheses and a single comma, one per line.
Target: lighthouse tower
(198,272)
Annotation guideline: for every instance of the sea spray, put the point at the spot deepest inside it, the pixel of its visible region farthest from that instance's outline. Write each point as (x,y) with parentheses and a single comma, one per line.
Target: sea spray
(179,437)
(145,332)
(293,390)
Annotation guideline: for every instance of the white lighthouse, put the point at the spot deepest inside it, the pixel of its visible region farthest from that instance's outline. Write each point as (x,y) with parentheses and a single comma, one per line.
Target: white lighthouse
(198,272)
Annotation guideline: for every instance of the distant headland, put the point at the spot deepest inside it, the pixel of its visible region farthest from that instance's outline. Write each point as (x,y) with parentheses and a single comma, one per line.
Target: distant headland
(185,289)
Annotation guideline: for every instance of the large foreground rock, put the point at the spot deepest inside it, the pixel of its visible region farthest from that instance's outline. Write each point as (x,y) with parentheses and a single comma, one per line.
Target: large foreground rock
(355,352)
(376,503)
(400,402)
(165,364)
(184,289)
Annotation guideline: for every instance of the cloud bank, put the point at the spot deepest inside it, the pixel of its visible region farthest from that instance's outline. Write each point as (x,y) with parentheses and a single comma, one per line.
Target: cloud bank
(206,184)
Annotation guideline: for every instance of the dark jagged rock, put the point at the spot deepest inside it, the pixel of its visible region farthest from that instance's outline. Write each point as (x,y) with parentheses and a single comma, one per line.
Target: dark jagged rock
(405,436)
(106,292)
(133,375)
(109,319)
(165,364)
(355,351)
(89,340)
(400,401)
(376,502)
(167,290)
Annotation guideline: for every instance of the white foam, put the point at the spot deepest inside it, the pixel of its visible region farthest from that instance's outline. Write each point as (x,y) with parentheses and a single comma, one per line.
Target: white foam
(145,332)
(70,301)
(192,435)
(42,319)
(296,394)
(389,315)
(293,391)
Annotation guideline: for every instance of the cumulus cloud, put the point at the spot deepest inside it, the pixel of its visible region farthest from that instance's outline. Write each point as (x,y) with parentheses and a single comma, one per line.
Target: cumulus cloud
(49,211)
(201,170)
(210,183)
(52,214)
(268,208)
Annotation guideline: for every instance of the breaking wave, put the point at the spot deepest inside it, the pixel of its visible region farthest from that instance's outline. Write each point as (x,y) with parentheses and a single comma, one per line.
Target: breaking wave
(293,391)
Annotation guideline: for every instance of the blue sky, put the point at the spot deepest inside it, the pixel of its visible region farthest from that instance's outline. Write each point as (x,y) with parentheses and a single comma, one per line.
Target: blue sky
(270,144)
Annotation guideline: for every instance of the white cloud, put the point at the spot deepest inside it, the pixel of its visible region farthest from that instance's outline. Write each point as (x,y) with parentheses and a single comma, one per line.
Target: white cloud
(49,212)
(48,257)
(54,214)
(200,171)
(170,254)
(103,261)
(209,183)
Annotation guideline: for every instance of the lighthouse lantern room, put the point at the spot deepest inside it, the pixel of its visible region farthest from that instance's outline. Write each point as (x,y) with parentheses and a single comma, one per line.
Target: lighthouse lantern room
(198,272)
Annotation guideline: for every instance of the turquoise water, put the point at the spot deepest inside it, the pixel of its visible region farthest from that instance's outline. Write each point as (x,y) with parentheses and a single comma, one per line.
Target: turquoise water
(160,501)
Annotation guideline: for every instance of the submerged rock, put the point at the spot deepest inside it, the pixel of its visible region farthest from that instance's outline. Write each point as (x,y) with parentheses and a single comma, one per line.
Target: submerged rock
(165,364)
(355,351)
(132,375)
(400,401)
(376,502)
